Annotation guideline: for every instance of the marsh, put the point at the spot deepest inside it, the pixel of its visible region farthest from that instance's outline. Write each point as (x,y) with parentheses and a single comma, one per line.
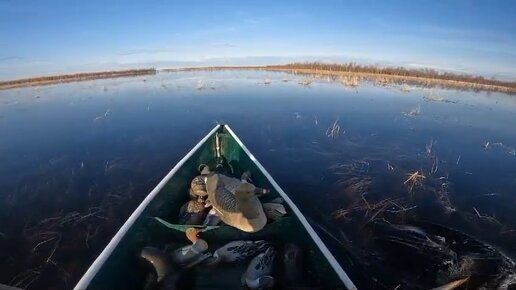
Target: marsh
(77,158)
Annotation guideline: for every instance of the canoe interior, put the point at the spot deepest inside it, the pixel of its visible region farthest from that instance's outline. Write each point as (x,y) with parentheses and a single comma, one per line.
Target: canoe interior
(124,270)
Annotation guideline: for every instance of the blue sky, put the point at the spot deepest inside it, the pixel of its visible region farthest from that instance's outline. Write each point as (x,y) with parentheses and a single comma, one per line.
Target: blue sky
(46,37)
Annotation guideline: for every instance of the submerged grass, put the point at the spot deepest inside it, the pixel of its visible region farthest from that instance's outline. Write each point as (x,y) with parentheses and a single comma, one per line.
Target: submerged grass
(370,172)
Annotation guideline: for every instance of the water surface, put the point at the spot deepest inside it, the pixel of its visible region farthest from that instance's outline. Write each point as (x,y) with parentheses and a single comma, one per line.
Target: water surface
(87,153)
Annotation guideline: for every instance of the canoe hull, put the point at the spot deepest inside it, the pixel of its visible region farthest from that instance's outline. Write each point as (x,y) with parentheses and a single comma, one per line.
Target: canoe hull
(118,266)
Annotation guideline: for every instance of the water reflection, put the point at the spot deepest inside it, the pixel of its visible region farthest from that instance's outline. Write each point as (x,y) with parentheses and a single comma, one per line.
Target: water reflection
(76,159)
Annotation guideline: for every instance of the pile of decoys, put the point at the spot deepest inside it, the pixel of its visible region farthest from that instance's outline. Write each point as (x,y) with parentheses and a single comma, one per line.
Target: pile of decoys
(217,199)
(260,256)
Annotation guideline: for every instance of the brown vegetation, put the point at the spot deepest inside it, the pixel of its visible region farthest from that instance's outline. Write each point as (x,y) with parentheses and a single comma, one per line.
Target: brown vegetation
(384,75)
(349,74)
(46,80)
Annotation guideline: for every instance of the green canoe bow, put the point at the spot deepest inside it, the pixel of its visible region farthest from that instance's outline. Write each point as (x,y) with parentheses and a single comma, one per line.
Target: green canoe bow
(152,223)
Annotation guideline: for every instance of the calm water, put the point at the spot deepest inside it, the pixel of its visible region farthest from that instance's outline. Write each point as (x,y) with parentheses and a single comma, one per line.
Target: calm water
(76,159)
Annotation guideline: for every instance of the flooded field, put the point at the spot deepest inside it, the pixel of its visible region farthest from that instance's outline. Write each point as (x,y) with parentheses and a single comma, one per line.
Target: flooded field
(362,160)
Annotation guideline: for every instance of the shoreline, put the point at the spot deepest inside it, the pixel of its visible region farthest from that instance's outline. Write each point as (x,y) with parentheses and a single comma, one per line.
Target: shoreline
(384,79)
(376,77)
(77,77)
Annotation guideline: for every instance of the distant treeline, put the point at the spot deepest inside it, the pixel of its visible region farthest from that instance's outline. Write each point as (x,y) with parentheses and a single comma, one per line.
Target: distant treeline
(398,71)
(45,80)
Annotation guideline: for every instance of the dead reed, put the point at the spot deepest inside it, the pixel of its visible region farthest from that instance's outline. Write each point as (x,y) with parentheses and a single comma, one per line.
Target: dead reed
(333,130)
(372,210)
(384,75)
(414,179)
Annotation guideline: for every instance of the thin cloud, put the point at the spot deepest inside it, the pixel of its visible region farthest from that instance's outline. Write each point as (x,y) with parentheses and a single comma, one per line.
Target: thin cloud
(146,51)
(252,21)
(454,32)
(10,58)
(225,44)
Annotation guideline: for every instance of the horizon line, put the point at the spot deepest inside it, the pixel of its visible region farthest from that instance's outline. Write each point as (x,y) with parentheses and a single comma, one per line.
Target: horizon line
(388,74)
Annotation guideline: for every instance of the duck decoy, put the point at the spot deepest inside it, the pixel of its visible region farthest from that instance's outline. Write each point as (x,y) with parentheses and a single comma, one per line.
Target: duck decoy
(212,219)
(192,212)
(258,273)
(186,254)
(242,210)
(237,251)
(274,211)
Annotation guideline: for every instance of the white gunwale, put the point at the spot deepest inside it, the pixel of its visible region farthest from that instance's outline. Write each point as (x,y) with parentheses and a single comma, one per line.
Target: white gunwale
(101,259)
(331,259)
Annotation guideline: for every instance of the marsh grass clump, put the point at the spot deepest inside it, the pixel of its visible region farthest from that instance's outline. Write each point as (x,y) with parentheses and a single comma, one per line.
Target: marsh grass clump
(305,82)
(413,112)
(350,81)
(433,97)
(200,85)
(405,88)
(414,179)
